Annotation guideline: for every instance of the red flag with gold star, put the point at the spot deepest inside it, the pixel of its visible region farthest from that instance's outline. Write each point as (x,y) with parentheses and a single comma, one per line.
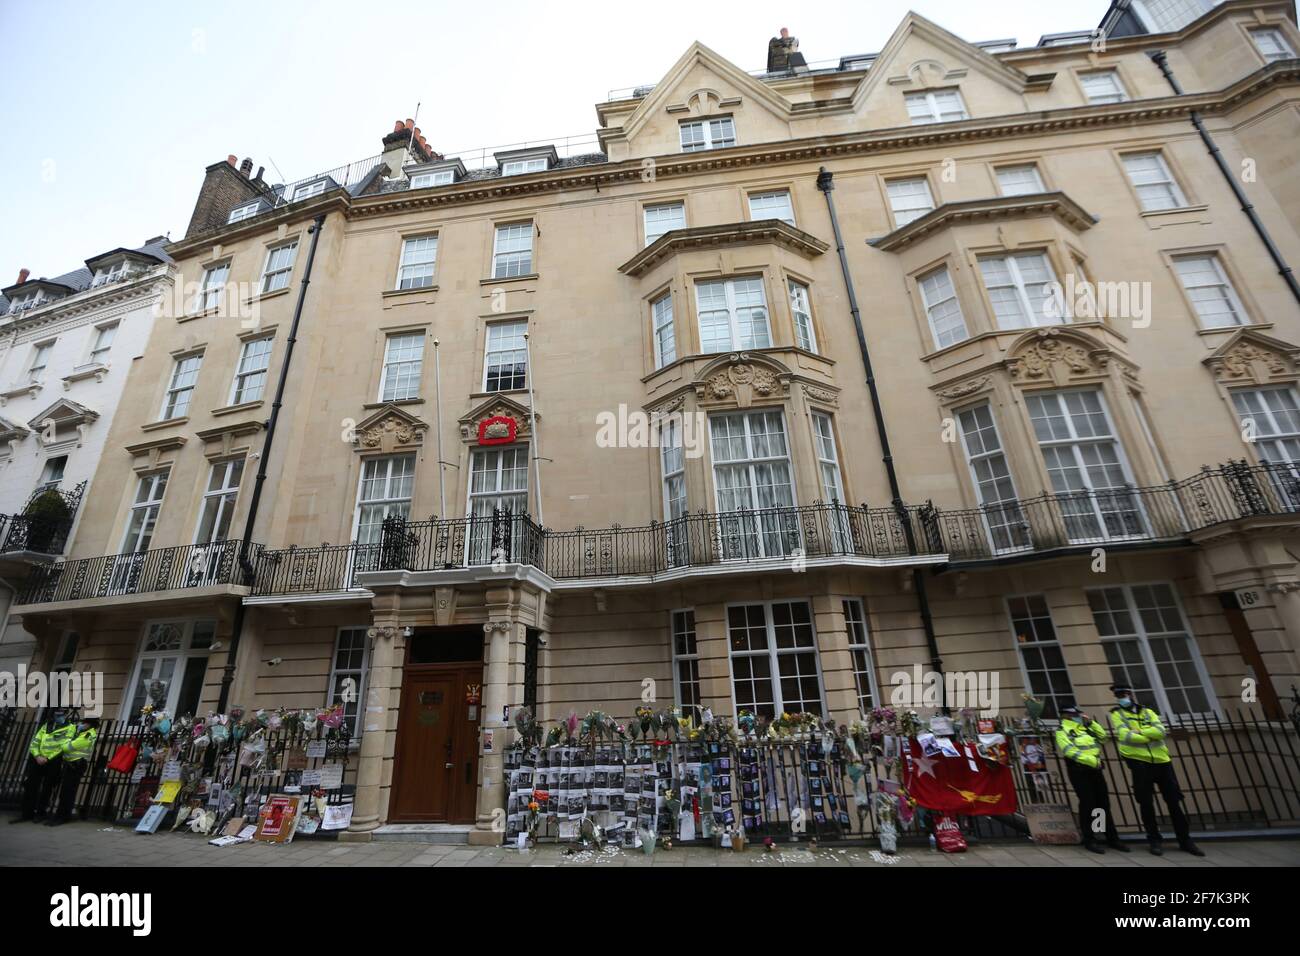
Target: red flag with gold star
(965,784)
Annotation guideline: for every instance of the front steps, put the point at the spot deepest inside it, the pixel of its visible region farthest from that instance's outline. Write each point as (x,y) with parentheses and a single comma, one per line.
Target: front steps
(447,834)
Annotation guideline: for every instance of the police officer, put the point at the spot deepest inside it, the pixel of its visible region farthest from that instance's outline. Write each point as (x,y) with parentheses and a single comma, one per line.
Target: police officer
(44,765)
(1140,737)
(76,755)
(1079,740)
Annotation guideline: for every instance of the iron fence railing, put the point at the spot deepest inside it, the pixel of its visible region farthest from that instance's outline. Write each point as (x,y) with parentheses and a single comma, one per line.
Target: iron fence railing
(124,795)
(1160,513)
(1236,773)
(162,569)
(1049,523)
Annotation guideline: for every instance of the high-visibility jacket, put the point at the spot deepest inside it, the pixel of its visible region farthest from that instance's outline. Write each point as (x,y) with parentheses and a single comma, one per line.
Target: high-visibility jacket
(48,741)
(80,746)
(1139,734)
(1079,742)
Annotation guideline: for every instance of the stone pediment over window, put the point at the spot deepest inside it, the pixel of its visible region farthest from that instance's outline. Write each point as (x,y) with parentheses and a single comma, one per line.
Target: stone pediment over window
(497,421)
(1055,204)
(11,433)
(228,439)
(388,430)
(150,455)
(1061,356)
(63,421)
(740,379)
(762,231)
(1250,357)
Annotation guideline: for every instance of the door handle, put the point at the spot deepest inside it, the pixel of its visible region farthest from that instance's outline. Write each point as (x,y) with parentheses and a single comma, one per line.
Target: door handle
(449,766)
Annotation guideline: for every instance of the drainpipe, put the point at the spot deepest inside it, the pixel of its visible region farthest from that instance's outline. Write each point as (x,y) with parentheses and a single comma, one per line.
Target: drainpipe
(1283,269)
(825,184)
(246,565)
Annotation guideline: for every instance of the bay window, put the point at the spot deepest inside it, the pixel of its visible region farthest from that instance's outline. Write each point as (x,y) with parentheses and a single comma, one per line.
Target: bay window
(1272,417)
(801,312)
(665,336)
(939,298)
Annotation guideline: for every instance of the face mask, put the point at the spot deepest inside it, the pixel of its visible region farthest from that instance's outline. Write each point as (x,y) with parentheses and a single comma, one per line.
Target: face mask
(1125,702)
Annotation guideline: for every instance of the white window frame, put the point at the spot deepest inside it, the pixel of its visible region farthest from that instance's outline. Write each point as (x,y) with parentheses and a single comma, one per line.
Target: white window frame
(734,339)
(417,262)
(1090,493)
(773,653)
(277,272)
(397,369)
(172,408)
(332,694)
(494,354)
(440,177)
(901,208)
(770,203)
(28,301)
(251,350)
(655,215)
(240,213)
(1020,289)
(1283,49)
(150,507)
(213,286)
(1117,94)
(829,475)
(49,480)
(183,655)
(40,359)
(519,167)
(388,503)
(1143,637)
(931,306)
(99,349)
(858,634)
(1228,293)
(1013,526)
(478,543)
(1164,182)
(774,530)
(307,190)
(718,132)
(510,262)
(1272,435)
(1056,701)
(223,499)
(1016,187)
(934,113)
(681,623)
(805,335)
(663,330)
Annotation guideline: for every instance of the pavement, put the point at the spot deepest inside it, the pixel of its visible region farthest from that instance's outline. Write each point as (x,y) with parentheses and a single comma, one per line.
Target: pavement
(97,844)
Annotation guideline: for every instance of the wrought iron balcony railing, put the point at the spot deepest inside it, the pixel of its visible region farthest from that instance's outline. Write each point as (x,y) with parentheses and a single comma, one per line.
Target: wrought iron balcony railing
(140,572)
(44,532)
(1045,525)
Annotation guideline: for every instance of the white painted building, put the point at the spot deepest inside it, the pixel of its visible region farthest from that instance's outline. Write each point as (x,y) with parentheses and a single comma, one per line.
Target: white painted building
(66,348)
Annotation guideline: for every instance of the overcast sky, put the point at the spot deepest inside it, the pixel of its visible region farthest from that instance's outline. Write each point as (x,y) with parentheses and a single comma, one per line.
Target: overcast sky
(111,110)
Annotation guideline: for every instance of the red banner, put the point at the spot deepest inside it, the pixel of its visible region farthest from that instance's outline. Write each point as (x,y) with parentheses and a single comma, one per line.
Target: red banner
(964,784)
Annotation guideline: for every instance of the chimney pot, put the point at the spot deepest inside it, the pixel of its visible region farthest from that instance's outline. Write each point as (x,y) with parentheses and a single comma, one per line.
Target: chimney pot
(246,167)
(232,159)
(410,123)
(260,170)
(398,126)
(785,33)
(22,275)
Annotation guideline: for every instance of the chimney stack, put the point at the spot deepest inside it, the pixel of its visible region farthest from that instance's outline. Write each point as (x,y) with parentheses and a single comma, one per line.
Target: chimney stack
(783,53)
(22,276)
(246,167)
(232,159)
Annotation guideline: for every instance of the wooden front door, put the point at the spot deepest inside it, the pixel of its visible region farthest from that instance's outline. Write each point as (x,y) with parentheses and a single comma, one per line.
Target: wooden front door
(436,759)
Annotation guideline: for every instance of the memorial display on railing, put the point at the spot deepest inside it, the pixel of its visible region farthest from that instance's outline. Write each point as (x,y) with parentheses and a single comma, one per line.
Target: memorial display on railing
(665,777)
(266,775)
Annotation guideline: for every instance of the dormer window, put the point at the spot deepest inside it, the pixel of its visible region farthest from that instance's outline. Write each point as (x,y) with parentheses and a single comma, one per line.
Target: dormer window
(441,177)
(112,273)
(28,301)
(700,135)
(240,213)
(308,190)
(937,106)
(517,167)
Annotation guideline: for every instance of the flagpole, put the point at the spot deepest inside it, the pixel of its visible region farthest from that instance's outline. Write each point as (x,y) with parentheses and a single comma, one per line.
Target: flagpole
(532,428)
(442,467)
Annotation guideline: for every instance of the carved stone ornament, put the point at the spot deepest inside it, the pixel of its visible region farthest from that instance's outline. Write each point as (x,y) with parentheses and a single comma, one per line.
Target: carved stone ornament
(823,395)
(740,380)
(1239,362)
(968,387)
(388,430)
(1050,355)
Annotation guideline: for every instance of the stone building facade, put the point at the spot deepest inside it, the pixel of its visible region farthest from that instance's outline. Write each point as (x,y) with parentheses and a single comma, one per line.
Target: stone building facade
(615,409)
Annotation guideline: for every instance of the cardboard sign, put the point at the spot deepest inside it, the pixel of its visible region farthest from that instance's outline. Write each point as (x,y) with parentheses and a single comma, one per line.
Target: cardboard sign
(338,816)
(316,748)
(276,821)
(295,759)
(331,776)
(1051,823)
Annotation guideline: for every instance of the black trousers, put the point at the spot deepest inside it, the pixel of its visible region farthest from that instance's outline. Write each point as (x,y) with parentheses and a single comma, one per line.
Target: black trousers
(1148,776)
(68,783)
(1090,786)
(38,785)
